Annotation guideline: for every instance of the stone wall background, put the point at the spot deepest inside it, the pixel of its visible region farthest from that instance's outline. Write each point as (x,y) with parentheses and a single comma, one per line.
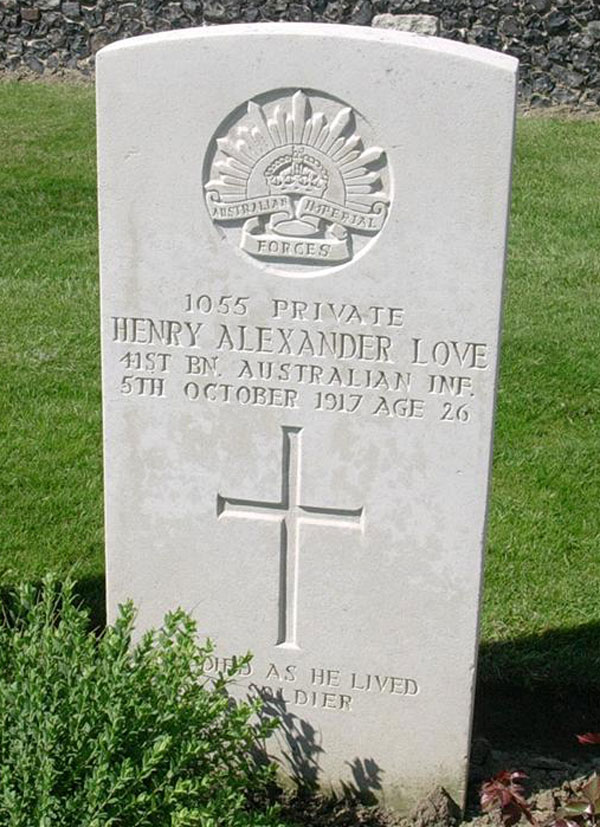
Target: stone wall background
(557,41)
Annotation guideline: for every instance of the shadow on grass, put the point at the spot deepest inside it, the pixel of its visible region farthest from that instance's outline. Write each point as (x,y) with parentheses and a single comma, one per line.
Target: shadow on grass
(557,656)
(92,593)
(540,691)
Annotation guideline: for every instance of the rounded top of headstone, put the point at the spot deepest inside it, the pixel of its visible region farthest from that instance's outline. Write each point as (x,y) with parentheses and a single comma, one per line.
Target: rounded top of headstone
(329,31)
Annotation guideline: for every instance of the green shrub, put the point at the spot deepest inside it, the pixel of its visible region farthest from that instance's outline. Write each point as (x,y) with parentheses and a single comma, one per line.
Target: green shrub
(97,732)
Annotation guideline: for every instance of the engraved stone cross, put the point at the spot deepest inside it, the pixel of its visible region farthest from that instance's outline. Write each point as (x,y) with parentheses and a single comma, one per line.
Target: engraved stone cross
(290,514)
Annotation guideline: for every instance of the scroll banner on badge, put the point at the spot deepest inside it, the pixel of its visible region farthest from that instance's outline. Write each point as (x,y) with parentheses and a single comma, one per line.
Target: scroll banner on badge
(370,222)
(248,208)
(272,246)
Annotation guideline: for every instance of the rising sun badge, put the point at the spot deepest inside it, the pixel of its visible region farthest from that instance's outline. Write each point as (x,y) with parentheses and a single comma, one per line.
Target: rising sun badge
(294,183)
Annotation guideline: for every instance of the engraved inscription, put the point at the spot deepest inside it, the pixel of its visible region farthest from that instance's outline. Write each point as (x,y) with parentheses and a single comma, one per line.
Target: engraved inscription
(331,357)
(317,687)
(291,180)
(289,513)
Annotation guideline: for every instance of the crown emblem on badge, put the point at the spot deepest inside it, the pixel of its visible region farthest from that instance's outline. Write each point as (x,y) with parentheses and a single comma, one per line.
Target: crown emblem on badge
(297,172)
(297,177)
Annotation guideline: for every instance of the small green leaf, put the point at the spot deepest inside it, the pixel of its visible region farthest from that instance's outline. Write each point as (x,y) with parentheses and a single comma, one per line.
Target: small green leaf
(591,789)
(576,807)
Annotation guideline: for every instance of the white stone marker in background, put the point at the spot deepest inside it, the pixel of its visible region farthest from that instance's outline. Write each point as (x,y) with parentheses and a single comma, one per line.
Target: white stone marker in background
(302,245)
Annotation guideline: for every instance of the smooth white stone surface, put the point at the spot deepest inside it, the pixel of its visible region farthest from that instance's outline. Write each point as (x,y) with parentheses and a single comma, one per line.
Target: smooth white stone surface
(326,512)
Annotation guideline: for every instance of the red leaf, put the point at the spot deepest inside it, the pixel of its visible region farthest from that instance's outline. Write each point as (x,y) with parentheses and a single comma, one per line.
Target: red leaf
(503,792)
(589,738)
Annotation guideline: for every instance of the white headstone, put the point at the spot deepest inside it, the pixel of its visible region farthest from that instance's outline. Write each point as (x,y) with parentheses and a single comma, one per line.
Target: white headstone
(302,245)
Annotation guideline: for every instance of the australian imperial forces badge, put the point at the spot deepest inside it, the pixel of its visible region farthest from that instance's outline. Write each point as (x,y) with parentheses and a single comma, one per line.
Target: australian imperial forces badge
(292,180)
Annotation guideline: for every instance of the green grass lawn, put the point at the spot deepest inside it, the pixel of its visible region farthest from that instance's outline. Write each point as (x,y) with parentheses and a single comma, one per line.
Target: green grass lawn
(541,617)
(50,467)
